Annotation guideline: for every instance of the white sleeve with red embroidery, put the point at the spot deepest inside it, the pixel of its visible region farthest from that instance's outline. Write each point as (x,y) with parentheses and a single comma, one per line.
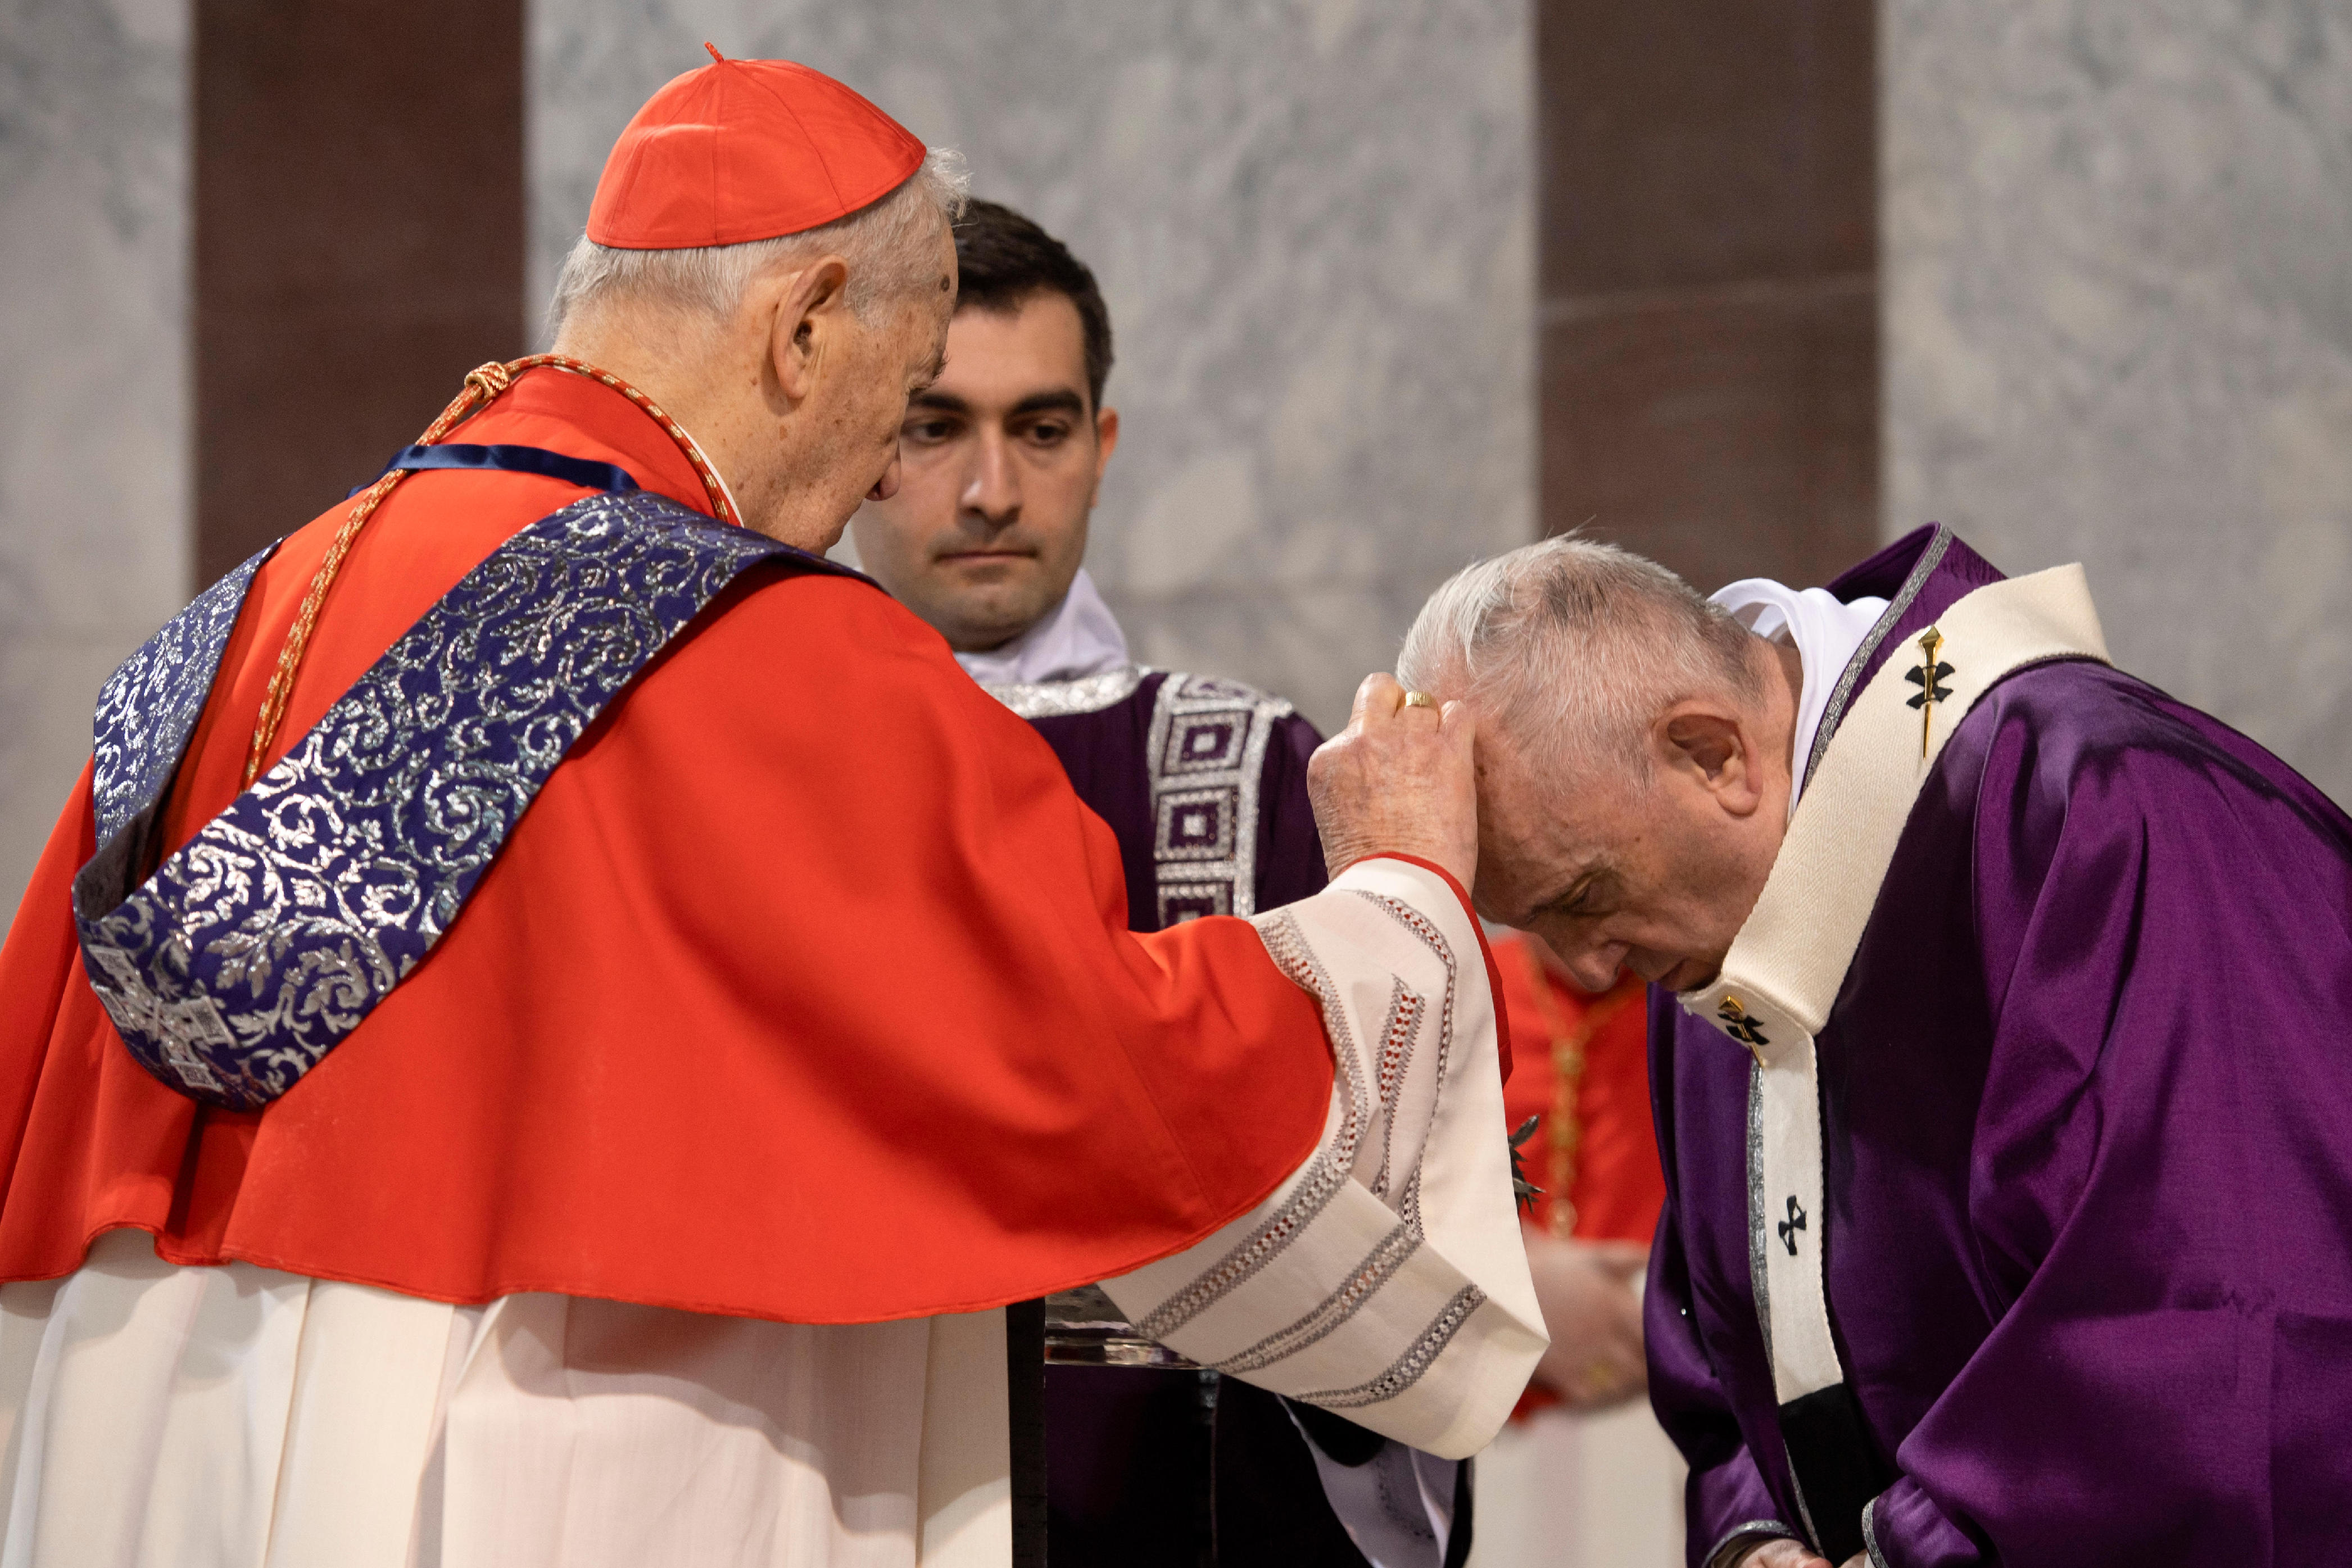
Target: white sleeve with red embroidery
(1385,1279)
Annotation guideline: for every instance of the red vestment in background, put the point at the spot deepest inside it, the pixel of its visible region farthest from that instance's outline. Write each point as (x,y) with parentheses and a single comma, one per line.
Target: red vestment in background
(1617,1186)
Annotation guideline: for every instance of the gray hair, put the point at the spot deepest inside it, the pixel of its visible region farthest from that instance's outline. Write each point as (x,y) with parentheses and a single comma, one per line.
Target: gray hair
(880,242)
(1575,647)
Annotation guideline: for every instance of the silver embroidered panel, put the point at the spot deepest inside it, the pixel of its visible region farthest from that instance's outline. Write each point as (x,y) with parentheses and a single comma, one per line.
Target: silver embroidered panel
(1206,761)
(149,706)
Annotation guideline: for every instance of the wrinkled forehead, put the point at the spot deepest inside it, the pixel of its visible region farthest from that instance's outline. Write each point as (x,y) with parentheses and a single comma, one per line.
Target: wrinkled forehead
(1541,825)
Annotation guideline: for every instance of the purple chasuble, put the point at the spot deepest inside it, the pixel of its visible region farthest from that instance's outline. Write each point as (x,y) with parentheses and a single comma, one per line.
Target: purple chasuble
(2086,1113)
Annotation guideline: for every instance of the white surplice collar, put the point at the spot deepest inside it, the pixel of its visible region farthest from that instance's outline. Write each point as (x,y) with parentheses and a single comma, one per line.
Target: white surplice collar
(1078,639)
(1826,633)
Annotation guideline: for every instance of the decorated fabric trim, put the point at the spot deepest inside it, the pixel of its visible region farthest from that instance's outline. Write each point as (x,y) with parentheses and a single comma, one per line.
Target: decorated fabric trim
(1060,698)
(1783,972)
(149,706)
(260,946)
(1889,619)
(1386,1277)
(509,458)
(1743,1537)
(1870,1534)
(1206,754)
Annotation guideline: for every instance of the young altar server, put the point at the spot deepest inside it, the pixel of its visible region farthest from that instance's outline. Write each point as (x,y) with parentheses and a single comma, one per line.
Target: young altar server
(464,1098)
(1998,1048)
(1204,782)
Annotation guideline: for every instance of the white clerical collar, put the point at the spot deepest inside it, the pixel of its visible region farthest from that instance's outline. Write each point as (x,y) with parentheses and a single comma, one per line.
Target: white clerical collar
(1079,637)
(1826,632)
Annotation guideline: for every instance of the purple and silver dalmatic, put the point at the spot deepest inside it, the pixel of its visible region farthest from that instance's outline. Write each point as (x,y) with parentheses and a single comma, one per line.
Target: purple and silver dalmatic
(1203,780)
(2087,1106)
(257,947)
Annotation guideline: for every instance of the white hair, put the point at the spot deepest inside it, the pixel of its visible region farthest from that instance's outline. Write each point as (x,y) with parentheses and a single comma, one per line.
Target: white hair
(1574,647)
(885,244)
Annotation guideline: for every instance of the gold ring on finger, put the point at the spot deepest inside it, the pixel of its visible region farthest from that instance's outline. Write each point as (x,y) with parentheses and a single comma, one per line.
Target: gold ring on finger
(1419,700)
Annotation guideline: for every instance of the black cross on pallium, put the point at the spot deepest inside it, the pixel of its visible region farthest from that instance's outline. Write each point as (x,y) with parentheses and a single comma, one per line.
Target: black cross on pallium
(1789,1227)
(1929,679)
(1918,678)
(1739,1026)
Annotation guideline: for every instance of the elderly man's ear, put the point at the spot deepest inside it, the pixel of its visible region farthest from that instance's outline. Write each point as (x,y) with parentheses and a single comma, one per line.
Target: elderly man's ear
(1706,749)
(807,302)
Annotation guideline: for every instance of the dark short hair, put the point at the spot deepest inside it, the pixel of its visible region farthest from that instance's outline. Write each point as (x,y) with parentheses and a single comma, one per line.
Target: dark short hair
(1004,261)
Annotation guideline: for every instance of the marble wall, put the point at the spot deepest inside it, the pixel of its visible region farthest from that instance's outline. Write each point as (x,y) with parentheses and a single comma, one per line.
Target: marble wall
(1313,221)
(2118,268)
(94,407)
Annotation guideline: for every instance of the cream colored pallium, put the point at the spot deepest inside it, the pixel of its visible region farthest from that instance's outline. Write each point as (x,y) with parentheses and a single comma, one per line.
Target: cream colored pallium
(1782,974)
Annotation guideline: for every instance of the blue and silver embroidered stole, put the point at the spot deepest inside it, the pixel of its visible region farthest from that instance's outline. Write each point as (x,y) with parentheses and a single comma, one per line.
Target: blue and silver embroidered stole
(255,949)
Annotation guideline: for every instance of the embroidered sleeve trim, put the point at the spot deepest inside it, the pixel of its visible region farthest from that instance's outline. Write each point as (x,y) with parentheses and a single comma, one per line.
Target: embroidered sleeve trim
(1326,1173)
(1406,1009)
(1426,931)
(1478,929)
(1327,1292)
(1333,1165)
(1409,1367)
(1379,1267)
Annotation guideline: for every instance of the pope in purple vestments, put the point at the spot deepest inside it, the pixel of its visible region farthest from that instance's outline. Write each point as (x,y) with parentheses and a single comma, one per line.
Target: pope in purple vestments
(1997,1050)
(2086,1105)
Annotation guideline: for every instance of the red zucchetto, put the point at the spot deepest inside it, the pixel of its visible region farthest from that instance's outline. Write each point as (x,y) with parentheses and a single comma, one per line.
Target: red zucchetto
(744,150)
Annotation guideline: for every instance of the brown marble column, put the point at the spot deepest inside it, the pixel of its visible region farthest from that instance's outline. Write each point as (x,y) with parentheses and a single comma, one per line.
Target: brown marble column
(359,243)
(1709,282)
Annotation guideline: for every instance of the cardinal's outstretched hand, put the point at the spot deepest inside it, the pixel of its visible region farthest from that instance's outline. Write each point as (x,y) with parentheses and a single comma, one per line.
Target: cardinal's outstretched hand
(1399,779)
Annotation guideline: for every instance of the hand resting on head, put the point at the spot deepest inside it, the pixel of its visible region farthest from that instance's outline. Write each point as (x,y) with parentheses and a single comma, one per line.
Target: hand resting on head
(1398,781)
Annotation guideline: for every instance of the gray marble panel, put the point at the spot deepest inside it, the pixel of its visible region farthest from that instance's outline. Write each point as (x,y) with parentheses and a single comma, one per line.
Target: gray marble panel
(2119,286)
(1313,222)
(94,492)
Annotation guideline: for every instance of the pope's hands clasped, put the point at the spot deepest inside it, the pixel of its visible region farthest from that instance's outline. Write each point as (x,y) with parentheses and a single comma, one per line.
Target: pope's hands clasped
(1399,779)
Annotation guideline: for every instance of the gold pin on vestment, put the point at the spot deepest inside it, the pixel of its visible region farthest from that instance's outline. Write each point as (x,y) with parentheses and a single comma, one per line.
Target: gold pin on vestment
(1929,677)
(1743,1028)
